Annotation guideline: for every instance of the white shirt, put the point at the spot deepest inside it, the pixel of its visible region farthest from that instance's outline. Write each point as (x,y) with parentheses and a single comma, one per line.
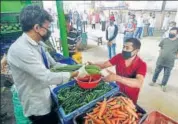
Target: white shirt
(152,22)
(140,22)
(111,33)
(85,17)
(103,18)
(93,20)
(31,77)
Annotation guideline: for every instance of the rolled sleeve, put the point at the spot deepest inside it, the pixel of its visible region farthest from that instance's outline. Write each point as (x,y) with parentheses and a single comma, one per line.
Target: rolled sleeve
(142,69)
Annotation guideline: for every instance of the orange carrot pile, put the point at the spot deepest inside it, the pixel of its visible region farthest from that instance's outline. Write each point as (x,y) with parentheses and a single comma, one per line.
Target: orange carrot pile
(116,110)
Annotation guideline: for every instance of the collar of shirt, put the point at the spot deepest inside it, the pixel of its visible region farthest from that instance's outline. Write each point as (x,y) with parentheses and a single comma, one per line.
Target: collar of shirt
(30,40)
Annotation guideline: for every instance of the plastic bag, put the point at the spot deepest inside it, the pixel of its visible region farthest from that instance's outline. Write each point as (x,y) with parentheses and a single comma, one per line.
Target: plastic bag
(18,110)
(82,72)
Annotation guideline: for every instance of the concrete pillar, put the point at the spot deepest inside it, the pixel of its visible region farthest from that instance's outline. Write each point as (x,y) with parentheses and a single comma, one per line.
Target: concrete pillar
(176,18)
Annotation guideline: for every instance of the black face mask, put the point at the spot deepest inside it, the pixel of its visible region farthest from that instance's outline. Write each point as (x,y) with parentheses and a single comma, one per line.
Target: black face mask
(172,35)
(46,36)
(127,55)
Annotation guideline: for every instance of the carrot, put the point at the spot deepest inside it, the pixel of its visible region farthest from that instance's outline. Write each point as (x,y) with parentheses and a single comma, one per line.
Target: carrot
(121,113)
(128,103)
(97,121)
(110,100)
(131,111)
(86,121)
(107,121)
(132,119)
(102,109)
(112,103)
(126,121)
(115,106)
(113,121)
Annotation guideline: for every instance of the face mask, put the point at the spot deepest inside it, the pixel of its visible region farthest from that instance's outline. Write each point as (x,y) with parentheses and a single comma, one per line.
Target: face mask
(111,23)
(172,35)
(47,35)
(127,55)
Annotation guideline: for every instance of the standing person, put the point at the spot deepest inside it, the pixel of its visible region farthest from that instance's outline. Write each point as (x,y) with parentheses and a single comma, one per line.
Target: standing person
(103,21)
(70,16)
(171,25)
(111,34)
(79,22)
(151,26)
(112,16)
(93,20)
(166,22)
(85,18)
(30,66)
(130,69)
(167,56)
(139,29)
(116,18)
(129,29)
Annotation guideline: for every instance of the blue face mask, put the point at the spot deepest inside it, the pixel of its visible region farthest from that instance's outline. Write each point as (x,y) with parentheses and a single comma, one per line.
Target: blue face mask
(172,35)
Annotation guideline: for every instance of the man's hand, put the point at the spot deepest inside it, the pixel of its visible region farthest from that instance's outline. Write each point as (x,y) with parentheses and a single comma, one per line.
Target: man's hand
(111,77)
(74,74)
(3,63)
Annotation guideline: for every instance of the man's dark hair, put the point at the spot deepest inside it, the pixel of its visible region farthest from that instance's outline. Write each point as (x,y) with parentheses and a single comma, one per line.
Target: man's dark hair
(136,43)
(175,28)
(32,15)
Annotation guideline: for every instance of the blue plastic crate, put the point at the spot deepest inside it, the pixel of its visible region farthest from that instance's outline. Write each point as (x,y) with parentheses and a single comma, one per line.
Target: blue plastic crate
(80,120)
(67,119)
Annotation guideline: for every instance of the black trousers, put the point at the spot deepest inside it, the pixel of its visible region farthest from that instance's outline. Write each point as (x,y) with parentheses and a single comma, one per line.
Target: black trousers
(103,25)
(93,26)
(51,118)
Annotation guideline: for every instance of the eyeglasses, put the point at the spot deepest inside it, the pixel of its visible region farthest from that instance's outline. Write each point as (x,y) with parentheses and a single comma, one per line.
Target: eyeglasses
(48,29)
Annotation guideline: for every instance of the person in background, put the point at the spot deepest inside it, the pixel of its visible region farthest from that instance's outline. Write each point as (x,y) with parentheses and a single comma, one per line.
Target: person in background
(116,18)
(152,22)
(70,16)
(166,59)
(129,28)
(30,66)
(85,18)
(139,26)
(112,16)
(171,25)
(103,21)
(93,21)
(166,22)
(130,69)
(79,22)
(111,34)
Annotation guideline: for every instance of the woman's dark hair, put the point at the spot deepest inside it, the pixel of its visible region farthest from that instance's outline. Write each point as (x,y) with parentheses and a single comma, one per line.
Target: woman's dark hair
(136,43)
(32,15)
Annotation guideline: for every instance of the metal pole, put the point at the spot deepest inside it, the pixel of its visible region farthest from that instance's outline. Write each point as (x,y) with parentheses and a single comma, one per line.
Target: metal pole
(63,28)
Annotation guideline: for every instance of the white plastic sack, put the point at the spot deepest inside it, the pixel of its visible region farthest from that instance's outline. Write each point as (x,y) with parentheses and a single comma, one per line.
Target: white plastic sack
(82,72)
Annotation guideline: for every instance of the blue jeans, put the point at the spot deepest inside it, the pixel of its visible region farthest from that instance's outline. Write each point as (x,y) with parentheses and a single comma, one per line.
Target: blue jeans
(167,72)
(138,32)
(112,50)
(150,31)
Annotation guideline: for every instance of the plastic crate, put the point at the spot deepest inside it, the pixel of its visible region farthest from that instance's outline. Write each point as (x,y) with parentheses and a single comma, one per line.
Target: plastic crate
(156,117)
(67,119)
(80,120)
